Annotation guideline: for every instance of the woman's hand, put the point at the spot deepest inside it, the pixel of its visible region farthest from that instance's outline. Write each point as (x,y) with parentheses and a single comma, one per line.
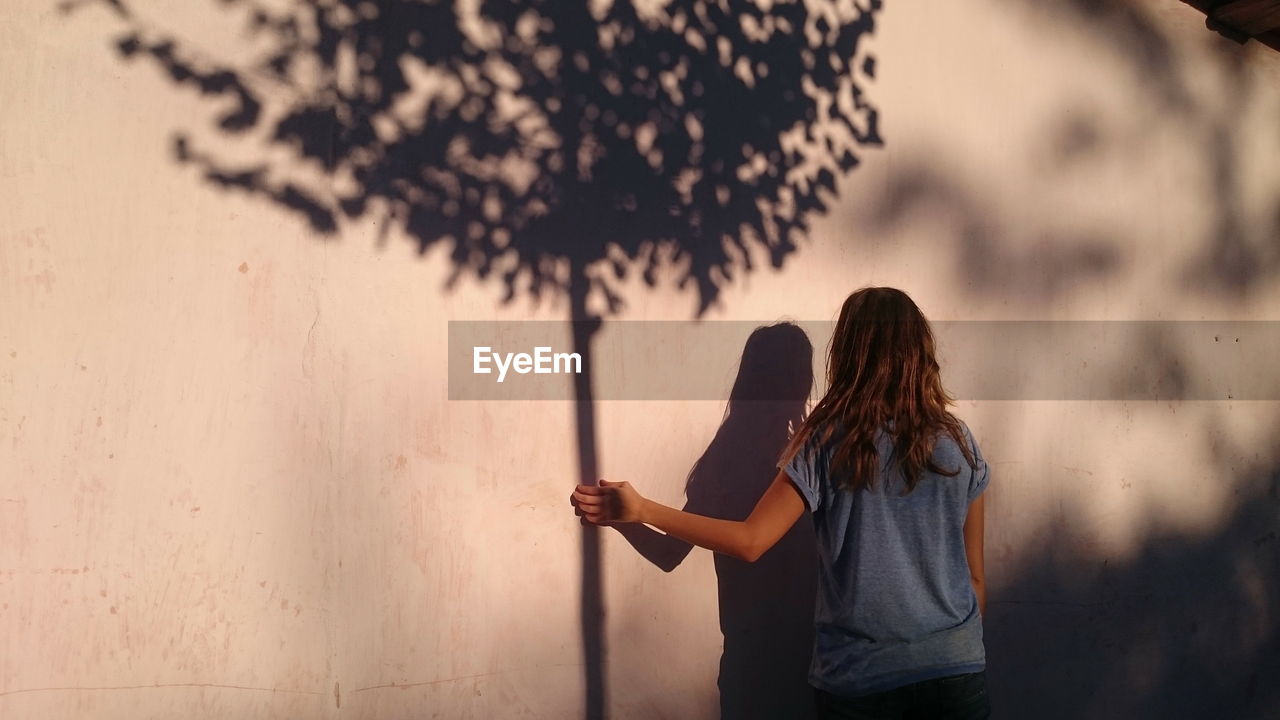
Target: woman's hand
(608,503)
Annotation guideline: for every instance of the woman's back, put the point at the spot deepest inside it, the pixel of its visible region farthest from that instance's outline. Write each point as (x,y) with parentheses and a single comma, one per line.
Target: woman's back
(899,527)
(895,604)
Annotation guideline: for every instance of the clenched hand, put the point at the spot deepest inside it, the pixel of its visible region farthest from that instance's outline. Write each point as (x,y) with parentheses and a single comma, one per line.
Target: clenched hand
(607,504)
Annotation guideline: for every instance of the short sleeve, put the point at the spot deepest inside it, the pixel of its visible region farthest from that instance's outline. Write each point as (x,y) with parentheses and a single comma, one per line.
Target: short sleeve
(981,472)
(806,476)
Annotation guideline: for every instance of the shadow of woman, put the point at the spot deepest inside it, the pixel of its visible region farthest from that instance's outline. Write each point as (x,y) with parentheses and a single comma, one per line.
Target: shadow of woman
(766,607)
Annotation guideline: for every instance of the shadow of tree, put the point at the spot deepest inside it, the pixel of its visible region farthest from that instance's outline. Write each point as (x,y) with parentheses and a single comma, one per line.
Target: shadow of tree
(1187,628)
(766,607)
(1241,244)
(552,145)
(1038,268)
(523,135)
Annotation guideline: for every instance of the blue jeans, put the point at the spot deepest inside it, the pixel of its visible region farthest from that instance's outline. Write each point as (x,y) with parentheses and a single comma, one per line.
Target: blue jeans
(957,697)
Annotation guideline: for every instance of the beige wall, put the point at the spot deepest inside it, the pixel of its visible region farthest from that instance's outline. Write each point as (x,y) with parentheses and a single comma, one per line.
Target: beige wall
(231,484)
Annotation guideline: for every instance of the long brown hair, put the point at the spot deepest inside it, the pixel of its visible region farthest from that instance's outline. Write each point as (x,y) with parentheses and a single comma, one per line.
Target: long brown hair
(882,373)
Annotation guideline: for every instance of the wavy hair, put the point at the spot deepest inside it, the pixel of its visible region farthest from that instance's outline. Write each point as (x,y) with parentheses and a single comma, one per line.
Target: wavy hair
(882,374)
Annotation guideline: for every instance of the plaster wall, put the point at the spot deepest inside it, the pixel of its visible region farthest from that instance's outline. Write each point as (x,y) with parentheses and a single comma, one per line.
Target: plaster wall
(232,484)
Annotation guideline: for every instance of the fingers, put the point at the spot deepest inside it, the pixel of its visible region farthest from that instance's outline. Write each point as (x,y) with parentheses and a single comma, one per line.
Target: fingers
(591,503)
(590,518)
(595,518)
(588,501)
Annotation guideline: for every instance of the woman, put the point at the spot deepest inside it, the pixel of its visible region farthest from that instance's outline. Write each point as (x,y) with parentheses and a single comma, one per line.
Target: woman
(894,484)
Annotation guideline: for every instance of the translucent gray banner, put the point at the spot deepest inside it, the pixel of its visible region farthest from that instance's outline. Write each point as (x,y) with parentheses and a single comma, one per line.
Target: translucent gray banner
(981,360)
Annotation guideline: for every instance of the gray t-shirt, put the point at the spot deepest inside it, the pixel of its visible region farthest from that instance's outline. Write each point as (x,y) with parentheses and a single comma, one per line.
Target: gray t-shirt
(895,604)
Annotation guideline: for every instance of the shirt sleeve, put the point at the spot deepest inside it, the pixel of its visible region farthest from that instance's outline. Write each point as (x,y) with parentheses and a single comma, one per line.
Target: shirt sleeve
(806,476)
(981,474)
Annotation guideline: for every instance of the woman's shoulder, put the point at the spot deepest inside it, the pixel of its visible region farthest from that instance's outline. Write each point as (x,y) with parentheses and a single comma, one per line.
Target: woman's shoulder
(946,442)
(965,432)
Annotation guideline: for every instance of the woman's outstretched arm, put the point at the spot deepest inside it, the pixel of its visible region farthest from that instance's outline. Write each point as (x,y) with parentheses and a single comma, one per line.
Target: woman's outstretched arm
(774,514)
